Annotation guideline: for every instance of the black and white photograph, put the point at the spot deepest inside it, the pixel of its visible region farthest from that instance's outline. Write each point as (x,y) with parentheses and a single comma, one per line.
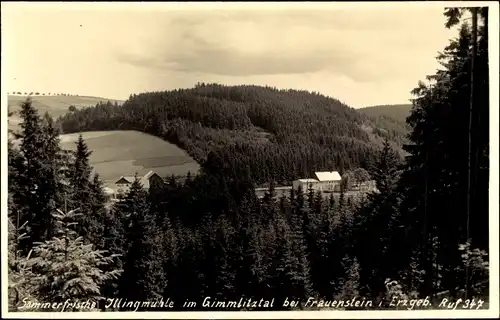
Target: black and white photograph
(250,160)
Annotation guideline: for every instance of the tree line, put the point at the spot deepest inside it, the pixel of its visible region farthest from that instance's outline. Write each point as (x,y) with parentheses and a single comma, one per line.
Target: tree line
(42,93)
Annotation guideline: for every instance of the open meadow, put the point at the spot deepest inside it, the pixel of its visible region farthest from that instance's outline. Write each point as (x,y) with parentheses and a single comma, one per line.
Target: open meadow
(117,153)
(54,105)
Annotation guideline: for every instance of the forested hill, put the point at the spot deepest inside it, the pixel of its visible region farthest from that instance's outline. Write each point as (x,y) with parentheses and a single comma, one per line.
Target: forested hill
(248,131)
(398,112)
(390,117)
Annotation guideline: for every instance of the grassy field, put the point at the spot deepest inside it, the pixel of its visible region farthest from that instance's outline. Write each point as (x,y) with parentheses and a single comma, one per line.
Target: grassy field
(54,105)
(117,153)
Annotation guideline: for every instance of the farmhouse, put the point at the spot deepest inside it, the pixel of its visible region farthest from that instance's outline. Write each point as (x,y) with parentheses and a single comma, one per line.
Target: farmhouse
(148,180)
(326,181)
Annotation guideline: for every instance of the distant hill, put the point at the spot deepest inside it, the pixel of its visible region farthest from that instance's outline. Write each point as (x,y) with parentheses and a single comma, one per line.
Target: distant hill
(54,105)
(398,112)
(259,132)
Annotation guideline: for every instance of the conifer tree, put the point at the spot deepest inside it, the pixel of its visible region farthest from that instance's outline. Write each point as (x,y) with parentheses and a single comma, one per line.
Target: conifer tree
(386,169)
(37,179)
(55,161)
(113,239)
(224,259)
(377,228)
(81,187)
(246,250)
(325,274)
(143,276)
(97,211)
(441,173)
(168,239)
(18,273)
(291,277)
(350,287)
(65,268)
(15,163)
(269,202)
(170,251)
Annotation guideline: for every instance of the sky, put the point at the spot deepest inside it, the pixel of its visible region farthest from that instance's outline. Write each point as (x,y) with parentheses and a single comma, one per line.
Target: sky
(367,55)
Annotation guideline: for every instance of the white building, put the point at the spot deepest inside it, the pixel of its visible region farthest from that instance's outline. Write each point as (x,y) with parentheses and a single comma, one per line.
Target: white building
(329,181)
(305,184)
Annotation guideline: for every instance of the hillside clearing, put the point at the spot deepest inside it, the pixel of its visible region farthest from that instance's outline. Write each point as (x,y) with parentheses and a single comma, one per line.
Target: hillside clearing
(117,153)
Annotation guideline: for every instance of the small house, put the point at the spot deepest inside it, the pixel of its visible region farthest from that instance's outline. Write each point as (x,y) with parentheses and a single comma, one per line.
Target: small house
(149,180)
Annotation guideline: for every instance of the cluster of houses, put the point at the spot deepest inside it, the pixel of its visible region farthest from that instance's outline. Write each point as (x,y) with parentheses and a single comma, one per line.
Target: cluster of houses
(122,185)
(325,182)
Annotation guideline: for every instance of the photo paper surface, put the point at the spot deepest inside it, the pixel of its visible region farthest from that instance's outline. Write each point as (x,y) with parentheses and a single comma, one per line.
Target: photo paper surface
(250,160)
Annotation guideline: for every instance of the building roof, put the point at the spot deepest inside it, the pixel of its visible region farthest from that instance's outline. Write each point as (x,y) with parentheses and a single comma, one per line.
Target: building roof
(328,176)
(148,175)
(143,180)
(124,180)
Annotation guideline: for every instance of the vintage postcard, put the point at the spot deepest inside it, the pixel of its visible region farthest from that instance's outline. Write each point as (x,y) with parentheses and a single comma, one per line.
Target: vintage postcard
(250,160)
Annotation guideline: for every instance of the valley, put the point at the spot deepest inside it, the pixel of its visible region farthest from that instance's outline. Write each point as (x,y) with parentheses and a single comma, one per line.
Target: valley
(260,132)
(261,128)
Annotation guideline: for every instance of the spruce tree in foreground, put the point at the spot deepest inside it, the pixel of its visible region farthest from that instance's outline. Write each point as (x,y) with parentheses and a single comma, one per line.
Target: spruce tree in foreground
(66,268)
(436,181)
(34,193)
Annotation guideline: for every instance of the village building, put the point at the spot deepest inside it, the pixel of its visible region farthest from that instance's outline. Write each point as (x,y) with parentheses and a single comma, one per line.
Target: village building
(305,184)
(326,181)
(329,181)
(123,184)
